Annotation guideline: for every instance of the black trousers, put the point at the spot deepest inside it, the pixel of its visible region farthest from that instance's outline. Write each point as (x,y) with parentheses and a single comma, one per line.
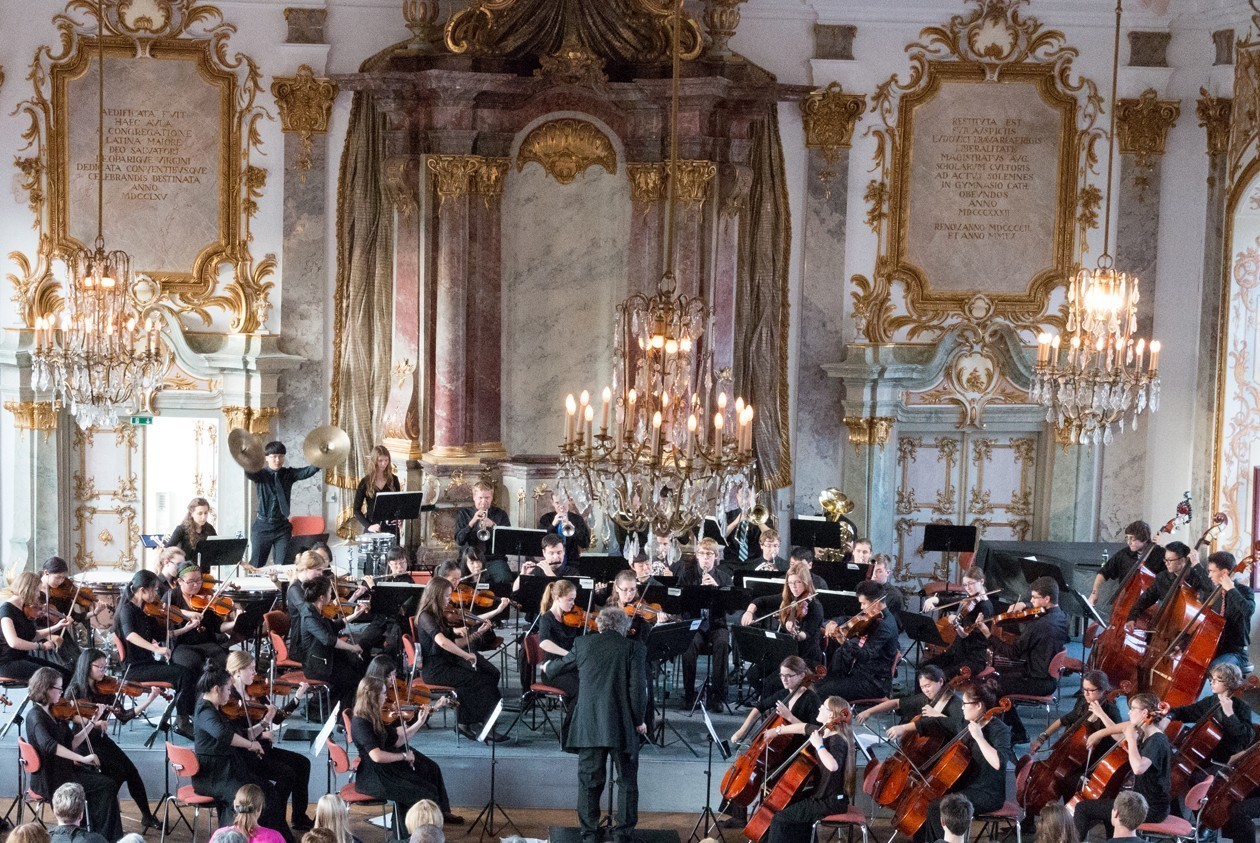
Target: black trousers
(266,536)
(291,773)
(719,642)
(1241,826)
(1092,812)
(478,689)
(118,766)
(1017,682)
(795,823)
(184,680)
(592,776)
(24,668)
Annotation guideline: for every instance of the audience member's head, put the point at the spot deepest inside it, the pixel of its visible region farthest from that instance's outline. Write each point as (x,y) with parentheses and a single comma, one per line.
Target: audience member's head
(956,813)
(424,812)
(223,835)
(1055,825)
(1128,813)
(29,833)
(428,834)
(68,803)
(319,835)
(133,837)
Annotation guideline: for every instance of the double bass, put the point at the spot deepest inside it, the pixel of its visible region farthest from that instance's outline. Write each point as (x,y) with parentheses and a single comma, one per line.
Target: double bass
(913,751)
(1058,775)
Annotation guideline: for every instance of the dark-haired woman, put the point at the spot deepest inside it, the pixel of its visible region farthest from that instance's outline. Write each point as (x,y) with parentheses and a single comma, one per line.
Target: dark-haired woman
(388,767)
(326,655)
(933,699)
(193,530)
(379,478)
(64,757)
(226,758)
(448,662)
(144,637)
(970,649)
(89,673)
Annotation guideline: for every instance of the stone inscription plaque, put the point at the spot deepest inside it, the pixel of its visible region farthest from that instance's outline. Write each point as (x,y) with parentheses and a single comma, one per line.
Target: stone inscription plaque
(983,187)
(163,161)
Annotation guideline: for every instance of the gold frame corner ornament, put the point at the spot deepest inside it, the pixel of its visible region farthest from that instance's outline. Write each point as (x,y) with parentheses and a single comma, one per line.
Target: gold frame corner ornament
(865,431)
(567,147)
(830,117)
(305,103)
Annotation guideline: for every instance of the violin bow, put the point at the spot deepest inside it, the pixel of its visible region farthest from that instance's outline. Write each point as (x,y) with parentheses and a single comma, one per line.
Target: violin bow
(780,609)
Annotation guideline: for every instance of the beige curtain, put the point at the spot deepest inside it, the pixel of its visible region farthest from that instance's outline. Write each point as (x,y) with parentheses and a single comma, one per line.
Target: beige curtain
(761,310)
(363,320)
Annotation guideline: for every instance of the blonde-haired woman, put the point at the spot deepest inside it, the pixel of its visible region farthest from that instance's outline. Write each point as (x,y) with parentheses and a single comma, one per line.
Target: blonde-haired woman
(832,744)
(246,809)
(424,812)
(380,477)
(22,639)
(333,814)
(555,638)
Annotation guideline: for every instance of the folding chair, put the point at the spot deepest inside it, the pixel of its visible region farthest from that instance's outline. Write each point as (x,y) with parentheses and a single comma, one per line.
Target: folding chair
(184,764)
(28,764)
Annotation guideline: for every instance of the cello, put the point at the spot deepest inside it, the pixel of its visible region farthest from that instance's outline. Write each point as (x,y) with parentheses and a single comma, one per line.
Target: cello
(914,749)
(743,780)
(1058,775)
(1193,751)
(1242,781)
(942,772)
(1107,777)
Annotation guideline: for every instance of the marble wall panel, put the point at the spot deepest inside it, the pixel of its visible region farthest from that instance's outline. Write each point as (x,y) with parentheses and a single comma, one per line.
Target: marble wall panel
(565,265)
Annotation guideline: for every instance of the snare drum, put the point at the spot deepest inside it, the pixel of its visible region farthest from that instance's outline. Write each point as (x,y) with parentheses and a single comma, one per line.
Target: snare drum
(249,590)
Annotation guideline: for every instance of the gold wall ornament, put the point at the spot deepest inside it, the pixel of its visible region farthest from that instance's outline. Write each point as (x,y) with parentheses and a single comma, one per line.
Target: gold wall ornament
(402,370)
(830,117)
(160,31)
(572,64)
(237,417)
(488,179)
(419,16)
(34,415)
(566,147)
(647,183)
(1142,126)
(305,103)
(1214,114)
(402,183)
(865,431)
(453,174)
(260,421)
(692,181)
(721,19)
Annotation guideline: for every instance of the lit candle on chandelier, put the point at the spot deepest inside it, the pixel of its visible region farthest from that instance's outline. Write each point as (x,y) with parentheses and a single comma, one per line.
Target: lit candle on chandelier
(1154,356)
(590,416)
(718,421)
(691,437)
(570,410)
(603,416)
(656,434)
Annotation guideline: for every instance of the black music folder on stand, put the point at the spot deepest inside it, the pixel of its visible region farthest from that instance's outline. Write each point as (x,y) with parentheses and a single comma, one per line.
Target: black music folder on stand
(949,539)
(516,541)
(398,506)
(815,532)
(531,591)
(218,551)
(711,530)
(600,567)
(301,544)
(389,597)
(763,586)
(839,604)
(920,629)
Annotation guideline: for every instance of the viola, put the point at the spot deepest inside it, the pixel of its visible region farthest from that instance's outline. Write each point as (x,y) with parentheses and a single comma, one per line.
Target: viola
(1108,775)
(72,595)
(250,711)
(45,613)
(70,709)
(742,781)
(1007,617)
(1240,782)
(913,750)
(1058,775)
(466,597)
(579,618)
(165,613)
(395,710)
(856,626)
(263,688)
(939,776)
(792,779)
(333,611)
(1194,749)
(221,606)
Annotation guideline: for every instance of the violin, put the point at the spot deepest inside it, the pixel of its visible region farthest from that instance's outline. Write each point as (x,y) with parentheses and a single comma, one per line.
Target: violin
(856,626)
(111,687)
(395,709)
(465,597)
(913,750)
(791,780)
(649,612)
(249,711)
(44,612)
(70,709)
(1007,617)
(578,618)
(333,611)
(263,688)
(220,606)
(73,595)
(165,613)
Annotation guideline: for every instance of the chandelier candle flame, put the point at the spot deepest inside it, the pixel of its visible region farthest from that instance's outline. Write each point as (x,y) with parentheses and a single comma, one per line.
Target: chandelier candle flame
(105,356)
(1100,376)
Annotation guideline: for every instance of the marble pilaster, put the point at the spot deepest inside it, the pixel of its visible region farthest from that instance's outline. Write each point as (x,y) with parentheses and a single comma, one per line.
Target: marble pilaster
(485,309)
(733,199)
(647,189)
(404,177)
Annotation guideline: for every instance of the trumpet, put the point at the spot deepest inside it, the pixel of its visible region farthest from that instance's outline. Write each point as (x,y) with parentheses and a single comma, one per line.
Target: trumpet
(483,532)
(567,529)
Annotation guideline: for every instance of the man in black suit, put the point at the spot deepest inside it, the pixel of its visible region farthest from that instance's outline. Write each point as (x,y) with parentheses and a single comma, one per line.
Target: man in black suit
(608,719)
(471,520)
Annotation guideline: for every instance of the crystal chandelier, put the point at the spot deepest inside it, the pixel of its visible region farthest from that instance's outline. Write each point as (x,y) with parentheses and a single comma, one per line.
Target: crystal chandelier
(104,356)
(1101,375)
(671,447)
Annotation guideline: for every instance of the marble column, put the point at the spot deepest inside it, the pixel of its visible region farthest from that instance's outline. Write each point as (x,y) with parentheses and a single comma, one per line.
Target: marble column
(692,192)
(485,310)
(453,178)
(647,190)
(403,179)
(732,204)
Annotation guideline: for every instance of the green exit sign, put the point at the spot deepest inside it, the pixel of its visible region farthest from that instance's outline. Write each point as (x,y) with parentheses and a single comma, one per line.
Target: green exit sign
(139,420)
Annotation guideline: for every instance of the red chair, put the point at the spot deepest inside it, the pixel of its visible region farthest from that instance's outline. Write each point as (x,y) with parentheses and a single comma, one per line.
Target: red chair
(184,764)
(540,696)
(1174,827)
(1056,672)
(307,525)
(293,673)
(28,764)
(278,621)
(1010,814)
(339,764)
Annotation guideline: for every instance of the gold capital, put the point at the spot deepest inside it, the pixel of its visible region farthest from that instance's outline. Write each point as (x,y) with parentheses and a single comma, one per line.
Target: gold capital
(34,415)
(1215,115)
(1142,129)
(647,183)
(692,180)
(402,183)
(305,103)
(830,117)
(454,173)
(869,431)
(489,177)
(260,422)
(237,417)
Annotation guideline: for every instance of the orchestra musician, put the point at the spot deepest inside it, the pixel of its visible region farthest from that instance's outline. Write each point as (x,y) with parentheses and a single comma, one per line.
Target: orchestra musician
(380,477)
(446,661)
(289,772)
(556,637)
(894,597)
(66,757)
(326,656)
(389,768)
(21,637)
(834,747)
(1092,706)
(770,559)
(552,564)
(472,569)
(483,515)
(203,636)
(947,706)
(1236,605)
(712,632)
(195,528)
(271,527)
(625,592)
(1040,640)
(741,534)
(1232,714)
(54,574)
(555,521)
(384,631)
(144,637)
(1150,761)
(799,615)
(969,648)
(861,669)
(862,551)
(90,672)
(1176,556)
(805,556)
(227,758)
(984,781)
(170,560)
(308,567)
(1138,549)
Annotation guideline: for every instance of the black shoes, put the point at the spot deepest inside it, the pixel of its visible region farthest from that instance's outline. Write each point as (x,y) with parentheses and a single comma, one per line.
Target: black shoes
(467,731)
(452,819)
(302,823)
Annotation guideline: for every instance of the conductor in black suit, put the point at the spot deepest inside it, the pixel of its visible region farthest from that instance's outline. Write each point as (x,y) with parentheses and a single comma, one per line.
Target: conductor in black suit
(608,718)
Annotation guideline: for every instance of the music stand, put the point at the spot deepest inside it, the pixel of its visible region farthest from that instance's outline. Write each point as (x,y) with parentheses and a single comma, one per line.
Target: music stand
(397,506)
(531,591)
(724,749)
(920,629)
(218,551)
(516,541)
(764,648)
(388,598)
(949,539)
(666,642)
(815,532)
(841,576)
(600,567)
(711,530)
(301,544)
(486,817)
(763,586)
(838,604)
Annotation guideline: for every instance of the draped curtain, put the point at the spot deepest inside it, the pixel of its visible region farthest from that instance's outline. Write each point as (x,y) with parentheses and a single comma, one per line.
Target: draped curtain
(761,311)
(363,316)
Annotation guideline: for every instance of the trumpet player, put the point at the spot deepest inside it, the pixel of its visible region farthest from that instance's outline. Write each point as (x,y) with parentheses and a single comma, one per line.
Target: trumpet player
(474,527)
(567,522)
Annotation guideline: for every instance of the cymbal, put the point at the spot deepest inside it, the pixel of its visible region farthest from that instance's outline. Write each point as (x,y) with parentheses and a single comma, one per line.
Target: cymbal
(246,449)
(326,446)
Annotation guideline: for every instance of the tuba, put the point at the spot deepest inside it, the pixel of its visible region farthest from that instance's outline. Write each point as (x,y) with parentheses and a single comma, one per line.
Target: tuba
(835,505)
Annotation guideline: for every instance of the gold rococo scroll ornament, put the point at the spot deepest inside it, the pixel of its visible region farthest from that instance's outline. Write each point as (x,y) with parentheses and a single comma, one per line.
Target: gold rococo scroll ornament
(864,431)
(567,147)
(991,44)
(161,31)
(305,103)
(830,117)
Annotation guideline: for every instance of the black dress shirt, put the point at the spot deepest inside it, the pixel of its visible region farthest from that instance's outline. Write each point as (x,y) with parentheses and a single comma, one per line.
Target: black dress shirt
(362,507)
(1196,578)
(574,544)
(1039,642)
(1236,730)
(1239,605)
(466,536)
(1122,561)
(275,490)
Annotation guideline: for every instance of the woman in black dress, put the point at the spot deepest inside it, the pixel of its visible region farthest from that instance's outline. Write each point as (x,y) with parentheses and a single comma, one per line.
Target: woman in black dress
(380,478)
(66,758)
(194,529)
(447,662)
(203,640)
(289,771)
(144,637)
(833,789)
(89,673)
(555,638)
(20,637)
(933,699)
(388,767)
(326,656)
(226,758)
